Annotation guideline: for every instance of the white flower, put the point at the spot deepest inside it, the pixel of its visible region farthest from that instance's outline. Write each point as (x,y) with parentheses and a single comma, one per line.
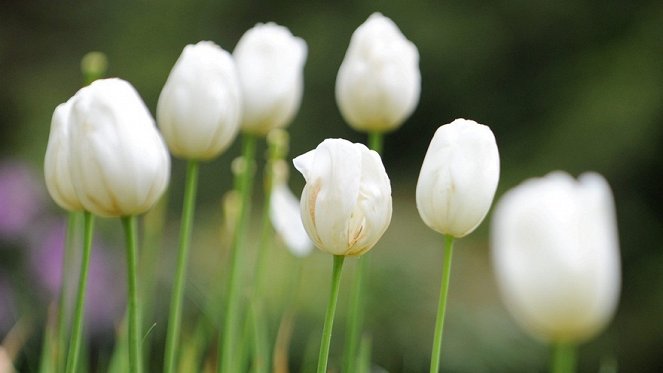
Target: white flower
(378,83)
(56,162)
(556,255)
(270,61)
(458,178)
(346,202)
(199,108)
(119,163)
(284,212)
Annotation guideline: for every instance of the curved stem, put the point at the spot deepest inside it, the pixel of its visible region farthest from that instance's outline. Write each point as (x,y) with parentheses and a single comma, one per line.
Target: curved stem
(135,364)
(441,308)
(563,358)
(175,320)
(77,332)
(229,331)
(329,316)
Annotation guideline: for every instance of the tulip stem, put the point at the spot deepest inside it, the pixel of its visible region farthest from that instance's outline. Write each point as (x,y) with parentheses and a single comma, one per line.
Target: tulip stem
(79,312)
(129,224)
(245,185)
(563,358)
(63,301)
(188,210)
(375,141)
(442,305)
(329,317)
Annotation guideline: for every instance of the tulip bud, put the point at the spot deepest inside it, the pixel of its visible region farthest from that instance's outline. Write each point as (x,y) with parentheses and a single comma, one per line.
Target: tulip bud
(458,178)
(199,108)
(119,163)
(346,202)
(284,212)
(378,83)
(56,162)
(270,62)
(556,255)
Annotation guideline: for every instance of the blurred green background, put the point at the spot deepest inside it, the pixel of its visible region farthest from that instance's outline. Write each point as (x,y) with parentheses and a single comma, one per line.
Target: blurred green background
(571,85)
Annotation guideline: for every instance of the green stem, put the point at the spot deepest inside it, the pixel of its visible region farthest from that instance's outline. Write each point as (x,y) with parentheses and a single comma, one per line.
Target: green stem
(563,358)
(375,141)
(77,332)
(329,316)
(135,357)
(441,308)
(63,302)
(229,331)
(356,316)
(188,210)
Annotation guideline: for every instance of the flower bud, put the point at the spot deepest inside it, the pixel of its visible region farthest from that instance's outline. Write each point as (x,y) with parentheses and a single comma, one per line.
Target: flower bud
(119,163)
(284,212)
(56,162)
(378,83)
(555,254)
(270,61)
(458,178)
(199,108)
(346,202)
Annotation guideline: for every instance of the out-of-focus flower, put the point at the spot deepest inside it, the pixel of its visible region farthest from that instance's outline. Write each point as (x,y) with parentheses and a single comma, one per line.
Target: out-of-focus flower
(378,83)
(119,163)
(200,106)
(6,365)
(20,198)
(458,178)
(285,214)
(270,62)
(346,202)
(57,166)
(105,292)
(556,255)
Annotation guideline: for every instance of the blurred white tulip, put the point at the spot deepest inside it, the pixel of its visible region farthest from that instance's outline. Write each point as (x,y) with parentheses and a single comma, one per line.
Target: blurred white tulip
(555,253)
(346,202)
(458,178)
(379,82)
(119,163)
(199,109)
(284,212)
(56,162)
(270,62)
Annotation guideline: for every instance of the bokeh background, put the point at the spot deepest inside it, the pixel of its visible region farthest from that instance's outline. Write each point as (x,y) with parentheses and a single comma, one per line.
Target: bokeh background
(570,85)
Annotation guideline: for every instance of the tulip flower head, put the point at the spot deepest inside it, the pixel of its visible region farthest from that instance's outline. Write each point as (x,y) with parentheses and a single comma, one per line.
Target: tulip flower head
(555,254)
(199,108)
(458,178)
(270,61)
(57,170)
(119,163)
(346,202)
(284,212)
(379,82)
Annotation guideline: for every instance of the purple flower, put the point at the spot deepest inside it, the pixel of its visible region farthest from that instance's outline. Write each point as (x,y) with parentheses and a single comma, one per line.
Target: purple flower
(105,300)
(21,198)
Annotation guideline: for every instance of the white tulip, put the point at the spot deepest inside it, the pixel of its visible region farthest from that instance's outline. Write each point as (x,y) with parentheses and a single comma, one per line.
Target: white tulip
(270,61)
(56,162)
(458,178)
(199,108)
(378,83)
(119,163)
(556,255)
(346,202)
(284,212)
